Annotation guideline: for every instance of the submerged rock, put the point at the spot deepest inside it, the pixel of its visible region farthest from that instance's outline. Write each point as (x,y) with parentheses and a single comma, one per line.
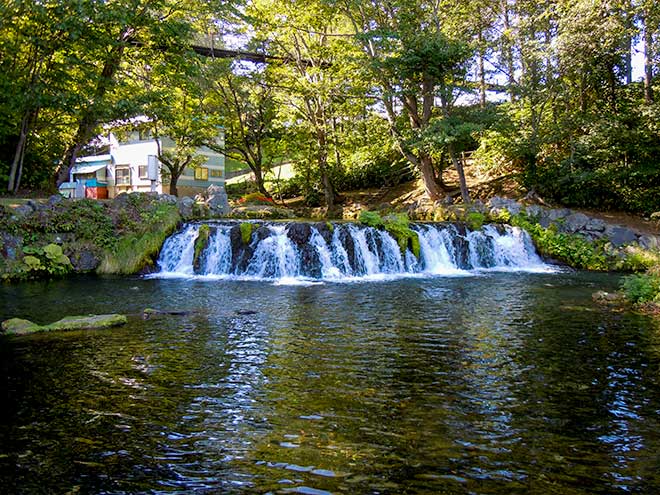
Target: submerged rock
(19,326)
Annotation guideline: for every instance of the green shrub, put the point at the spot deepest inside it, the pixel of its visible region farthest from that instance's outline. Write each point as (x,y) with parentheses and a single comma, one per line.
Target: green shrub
(475,220)
(371,219)
(642,288)
(574,250)
(45,262)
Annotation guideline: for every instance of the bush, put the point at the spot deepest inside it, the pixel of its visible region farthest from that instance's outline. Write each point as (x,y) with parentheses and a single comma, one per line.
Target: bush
(642,288)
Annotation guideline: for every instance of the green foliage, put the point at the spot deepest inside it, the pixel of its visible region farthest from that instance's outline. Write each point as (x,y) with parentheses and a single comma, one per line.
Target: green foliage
(44,262)
(574,250)
(137,249)
(371,219)
(255,198)
(246,231)
(642,288)
(398,226)
(201,242)
(475,220)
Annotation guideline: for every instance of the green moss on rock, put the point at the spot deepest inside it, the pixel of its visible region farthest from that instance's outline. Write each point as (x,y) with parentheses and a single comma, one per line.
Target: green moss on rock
(18,326)
(201,242)
(246,232)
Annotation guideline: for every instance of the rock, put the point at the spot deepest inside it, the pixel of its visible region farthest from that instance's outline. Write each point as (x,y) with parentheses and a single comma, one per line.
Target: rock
(18,326)
(497,203)
(595,225)
(149,313)
(121,200)
(10,246)
(655,215)
(23,210)
(83,260)
(551,216)
(217,200)
(619,236)
(55,199)
(649,241)
(326,229)
(575,222)
(603,297)
(35,205)
(186,205)
(534,211)
(299,233)
(167,198)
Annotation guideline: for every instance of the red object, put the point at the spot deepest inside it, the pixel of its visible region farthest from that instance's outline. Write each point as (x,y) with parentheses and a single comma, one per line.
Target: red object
(96,192)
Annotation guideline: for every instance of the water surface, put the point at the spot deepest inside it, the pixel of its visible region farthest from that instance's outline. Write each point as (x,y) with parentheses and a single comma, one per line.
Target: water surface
(496,383)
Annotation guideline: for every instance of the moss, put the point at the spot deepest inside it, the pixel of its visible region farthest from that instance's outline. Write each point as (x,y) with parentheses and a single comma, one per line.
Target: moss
(18,326)
(201,242)
(330,226)
(246,232)
(136,251)
(475,220)
(371,219)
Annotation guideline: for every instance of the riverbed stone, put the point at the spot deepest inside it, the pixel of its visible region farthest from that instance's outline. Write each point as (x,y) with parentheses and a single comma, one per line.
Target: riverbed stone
(55,199)
(595,225)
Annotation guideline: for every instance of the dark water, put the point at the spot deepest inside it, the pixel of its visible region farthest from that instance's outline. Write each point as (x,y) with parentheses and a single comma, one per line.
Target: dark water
(500,384)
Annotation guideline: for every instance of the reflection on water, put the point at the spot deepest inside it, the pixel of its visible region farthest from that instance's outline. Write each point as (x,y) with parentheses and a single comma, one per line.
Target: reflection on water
(505,383)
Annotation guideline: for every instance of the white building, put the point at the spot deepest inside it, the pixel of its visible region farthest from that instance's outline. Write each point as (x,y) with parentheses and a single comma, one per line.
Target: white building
(126,168)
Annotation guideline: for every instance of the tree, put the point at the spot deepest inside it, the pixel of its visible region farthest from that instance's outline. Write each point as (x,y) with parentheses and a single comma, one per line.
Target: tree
(415,65)
(247,108)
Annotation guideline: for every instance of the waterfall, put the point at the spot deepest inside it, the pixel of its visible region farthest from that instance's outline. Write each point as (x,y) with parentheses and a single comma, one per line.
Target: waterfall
(345,252)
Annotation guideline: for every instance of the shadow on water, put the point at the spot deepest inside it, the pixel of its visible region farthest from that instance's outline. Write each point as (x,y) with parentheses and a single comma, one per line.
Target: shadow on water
(499,383)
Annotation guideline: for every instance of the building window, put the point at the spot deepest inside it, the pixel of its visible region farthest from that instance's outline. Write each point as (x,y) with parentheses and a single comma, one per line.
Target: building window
(201,173)
(216,172)
(123,176)
(143,171)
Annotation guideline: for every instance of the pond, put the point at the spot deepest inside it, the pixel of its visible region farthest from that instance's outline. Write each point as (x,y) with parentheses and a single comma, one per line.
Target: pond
(491,383)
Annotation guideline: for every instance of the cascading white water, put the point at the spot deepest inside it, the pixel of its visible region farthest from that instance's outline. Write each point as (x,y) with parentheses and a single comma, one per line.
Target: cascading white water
(344,252)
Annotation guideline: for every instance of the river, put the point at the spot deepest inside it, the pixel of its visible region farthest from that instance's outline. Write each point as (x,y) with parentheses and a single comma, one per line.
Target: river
(490,383)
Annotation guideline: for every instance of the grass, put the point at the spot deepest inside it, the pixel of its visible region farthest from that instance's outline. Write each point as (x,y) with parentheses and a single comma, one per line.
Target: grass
(138,250)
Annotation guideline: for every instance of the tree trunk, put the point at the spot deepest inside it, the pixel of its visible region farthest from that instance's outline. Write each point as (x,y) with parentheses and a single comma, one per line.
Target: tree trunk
(17,162)
(648,60)
(328,189)
(431,187)
(458,165)
(173,181)
(507,51)
(481,73)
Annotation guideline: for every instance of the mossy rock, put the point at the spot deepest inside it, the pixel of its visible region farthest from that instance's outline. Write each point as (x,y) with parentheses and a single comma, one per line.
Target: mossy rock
(201,243)
(18,326)
(246,232)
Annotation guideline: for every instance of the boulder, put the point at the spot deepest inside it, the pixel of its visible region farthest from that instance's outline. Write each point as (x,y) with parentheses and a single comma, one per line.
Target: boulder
(10,246)
(649,241)
(573,223)
(167,198)
(55,199)
(497,203)
(19,326)
(534,211)
(299,233)
(595,225)
(619,236)
(23,210)
(217,200)
(83,259)
(186,205)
